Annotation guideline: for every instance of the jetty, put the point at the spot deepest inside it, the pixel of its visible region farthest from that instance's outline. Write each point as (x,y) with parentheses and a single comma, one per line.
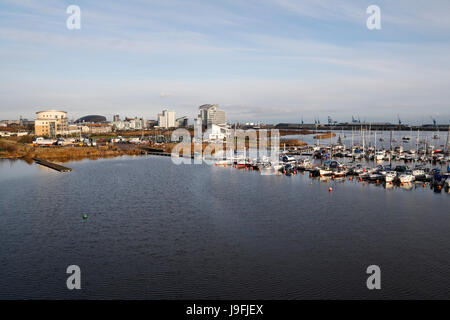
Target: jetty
(155,152)
(51,165)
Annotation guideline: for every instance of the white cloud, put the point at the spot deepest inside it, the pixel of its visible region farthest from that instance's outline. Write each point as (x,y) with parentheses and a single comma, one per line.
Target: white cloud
(165,94)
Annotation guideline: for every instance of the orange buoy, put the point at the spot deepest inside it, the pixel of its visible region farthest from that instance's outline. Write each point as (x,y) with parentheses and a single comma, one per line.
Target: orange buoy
(378,181)
(424,185)
(310,175)
(330,189)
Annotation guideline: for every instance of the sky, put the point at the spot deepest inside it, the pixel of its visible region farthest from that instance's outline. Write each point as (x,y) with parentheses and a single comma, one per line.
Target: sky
(261,60)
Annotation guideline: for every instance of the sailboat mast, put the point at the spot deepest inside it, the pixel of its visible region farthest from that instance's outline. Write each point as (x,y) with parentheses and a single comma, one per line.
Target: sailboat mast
(363,142)
(446,143)
(352,142)
(375,138)
(390,149)
(417,141)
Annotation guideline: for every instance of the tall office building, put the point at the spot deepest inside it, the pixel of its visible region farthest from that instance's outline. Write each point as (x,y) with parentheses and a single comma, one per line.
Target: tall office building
(182,122)
(161,120)
(209,115)
(166,119)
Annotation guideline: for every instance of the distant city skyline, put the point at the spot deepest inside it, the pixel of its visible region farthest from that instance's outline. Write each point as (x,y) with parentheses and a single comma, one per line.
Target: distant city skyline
(306,119)
(260,61)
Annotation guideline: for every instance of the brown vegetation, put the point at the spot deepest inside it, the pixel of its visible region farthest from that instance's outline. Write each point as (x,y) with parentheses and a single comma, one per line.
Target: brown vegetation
(9,148)
(325,136)
(20,148)
(289,132)
(293,143)
(78,153)
(13,149)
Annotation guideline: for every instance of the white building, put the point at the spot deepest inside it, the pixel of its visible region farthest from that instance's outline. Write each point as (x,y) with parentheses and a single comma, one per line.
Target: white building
(218,132)
(166,119)
(130,124)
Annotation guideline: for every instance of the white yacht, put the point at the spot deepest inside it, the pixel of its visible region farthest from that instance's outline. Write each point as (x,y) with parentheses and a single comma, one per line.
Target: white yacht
(390,176)
(418,173)
(406,177)
(380,155)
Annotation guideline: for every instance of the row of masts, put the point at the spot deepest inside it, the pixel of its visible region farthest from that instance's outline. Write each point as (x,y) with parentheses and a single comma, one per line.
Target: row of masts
(363,139)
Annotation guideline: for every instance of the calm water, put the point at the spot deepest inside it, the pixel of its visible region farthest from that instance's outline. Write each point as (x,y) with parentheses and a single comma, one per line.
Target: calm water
(160,231)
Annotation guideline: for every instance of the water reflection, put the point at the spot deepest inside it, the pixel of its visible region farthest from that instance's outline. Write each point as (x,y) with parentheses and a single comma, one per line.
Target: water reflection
(160,231)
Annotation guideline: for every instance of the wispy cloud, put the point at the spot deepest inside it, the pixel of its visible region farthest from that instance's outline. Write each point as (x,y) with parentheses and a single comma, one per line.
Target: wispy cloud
(409,13)
(260,59)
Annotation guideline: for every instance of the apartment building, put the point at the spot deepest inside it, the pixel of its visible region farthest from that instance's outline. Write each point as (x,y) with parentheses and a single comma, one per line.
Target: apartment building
(51,123)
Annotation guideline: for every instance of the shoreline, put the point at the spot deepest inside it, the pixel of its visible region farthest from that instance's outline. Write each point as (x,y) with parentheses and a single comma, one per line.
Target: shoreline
(67,154)
(14,149)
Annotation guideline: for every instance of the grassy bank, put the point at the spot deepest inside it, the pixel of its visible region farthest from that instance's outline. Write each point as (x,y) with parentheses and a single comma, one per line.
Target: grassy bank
(325,136)
(14,149)
(20,148)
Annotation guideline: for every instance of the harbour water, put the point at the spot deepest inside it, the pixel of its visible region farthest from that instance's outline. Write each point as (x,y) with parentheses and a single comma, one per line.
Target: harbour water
(160,231)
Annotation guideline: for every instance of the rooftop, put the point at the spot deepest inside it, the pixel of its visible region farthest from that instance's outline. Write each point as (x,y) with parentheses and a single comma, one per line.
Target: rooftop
(51,111)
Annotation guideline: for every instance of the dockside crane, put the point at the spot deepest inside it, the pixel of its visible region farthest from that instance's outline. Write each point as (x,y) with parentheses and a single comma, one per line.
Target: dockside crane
(434,122)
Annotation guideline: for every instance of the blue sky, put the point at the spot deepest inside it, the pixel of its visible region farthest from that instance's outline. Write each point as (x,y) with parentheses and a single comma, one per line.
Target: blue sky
(266,60)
